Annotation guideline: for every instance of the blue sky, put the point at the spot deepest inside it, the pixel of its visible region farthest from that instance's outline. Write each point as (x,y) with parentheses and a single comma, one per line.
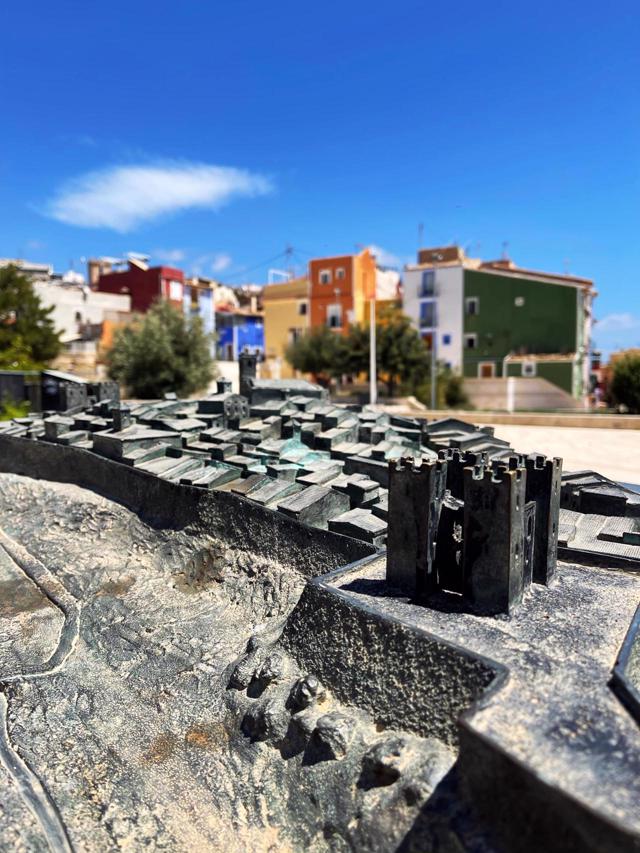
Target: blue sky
(214,135)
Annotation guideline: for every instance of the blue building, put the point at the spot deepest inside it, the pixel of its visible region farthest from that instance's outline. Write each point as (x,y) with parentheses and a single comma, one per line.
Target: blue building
(239,329)
(198,301)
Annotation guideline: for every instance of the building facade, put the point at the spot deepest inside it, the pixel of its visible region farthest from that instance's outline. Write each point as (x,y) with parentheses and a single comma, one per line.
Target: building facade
(145,284)
(286,317)
(195,297)
(239,330)
(494,319)
(86,321)
(338,289)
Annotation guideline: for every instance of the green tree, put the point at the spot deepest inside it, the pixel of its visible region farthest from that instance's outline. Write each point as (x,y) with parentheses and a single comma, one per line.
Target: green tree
(450,393)
(402,355)
(320,352)
(161,351)
(625,382)
(10,409)
(28,339)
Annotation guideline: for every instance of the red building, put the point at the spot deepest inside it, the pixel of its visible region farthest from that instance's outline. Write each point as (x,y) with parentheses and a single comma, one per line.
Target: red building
(144,284)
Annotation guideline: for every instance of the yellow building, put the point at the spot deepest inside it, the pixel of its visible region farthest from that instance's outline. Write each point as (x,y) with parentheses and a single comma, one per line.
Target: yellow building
(286,317)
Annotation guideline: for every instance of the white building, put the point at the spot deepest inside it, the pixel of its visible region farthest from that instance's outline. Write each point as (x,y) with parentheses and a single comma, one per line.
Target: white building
(86,319)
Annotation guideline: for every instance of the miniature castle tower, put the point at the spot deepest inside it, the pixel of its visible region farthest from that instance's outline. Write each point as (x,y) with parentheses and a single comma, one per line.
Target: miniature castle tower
(493,549)
(457,461)
(544,480)
(248,369)
(483,531)
(415,500)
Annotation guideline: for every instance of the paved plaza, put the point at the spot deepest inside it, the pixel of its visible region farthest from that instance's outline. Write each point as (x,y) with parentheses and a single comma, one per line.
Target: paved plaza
(614,453)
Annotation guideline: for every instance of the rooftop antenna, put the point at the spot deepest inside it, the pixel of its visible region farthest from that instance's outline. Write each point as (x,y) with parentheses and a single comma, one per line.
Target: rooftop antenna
(505,250)
(420,234)
(288,254)
(567,263)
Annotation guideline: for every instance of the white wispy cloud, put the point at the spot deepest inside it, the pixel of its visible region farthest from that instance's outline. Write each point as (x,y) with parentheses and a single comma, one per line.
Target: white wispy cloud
(221,262)
(210,262)
(169,256)
(618,323)
(617,332)
(122,197)
(383,257)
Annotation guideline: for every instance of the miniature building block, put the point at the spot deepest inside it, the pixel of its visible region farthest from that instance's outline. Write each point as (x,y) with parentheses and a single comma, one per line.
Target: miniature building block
(121,417)
(336,435)
(361,524)
(415,500)
(56,425)
(283,470)
(273,491)
(212,477)
(115,445)
(372,468)
(250,484)
(314,505)
(235,408)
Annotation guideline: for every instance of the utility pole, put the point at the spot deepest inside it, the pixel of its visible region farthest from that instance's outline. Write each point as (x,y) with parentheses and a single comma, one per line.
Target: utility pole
(288,253)
(373,367)
(434,337)
(434,369)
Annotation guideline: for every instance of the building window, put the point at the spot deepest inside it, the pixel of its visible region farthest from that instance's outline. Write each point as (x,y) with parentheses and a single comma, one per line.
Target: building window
(302,309)
(294,335)
(78,317)
(428,283)
(472,306)
(428,314)
(519,301)
(529,368)
(334,316)
(446,340)
(325,276)
(340,273)
(470,341)
(175,291)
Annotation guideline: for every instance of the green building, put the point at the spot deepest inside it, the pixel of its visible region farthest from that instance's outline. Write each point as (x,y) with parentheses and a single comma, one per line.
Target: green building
(492,319)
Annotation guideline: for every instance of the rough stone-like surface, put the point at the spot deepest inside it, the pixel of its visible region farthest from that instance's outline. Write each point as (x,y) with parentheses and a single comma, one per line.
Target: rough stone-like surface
(165,722)
(548,729)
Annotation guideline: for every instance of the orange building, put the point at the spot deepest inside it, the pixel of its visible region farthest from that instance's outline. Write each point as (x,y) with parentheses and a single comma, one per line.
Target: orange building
(339,288)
